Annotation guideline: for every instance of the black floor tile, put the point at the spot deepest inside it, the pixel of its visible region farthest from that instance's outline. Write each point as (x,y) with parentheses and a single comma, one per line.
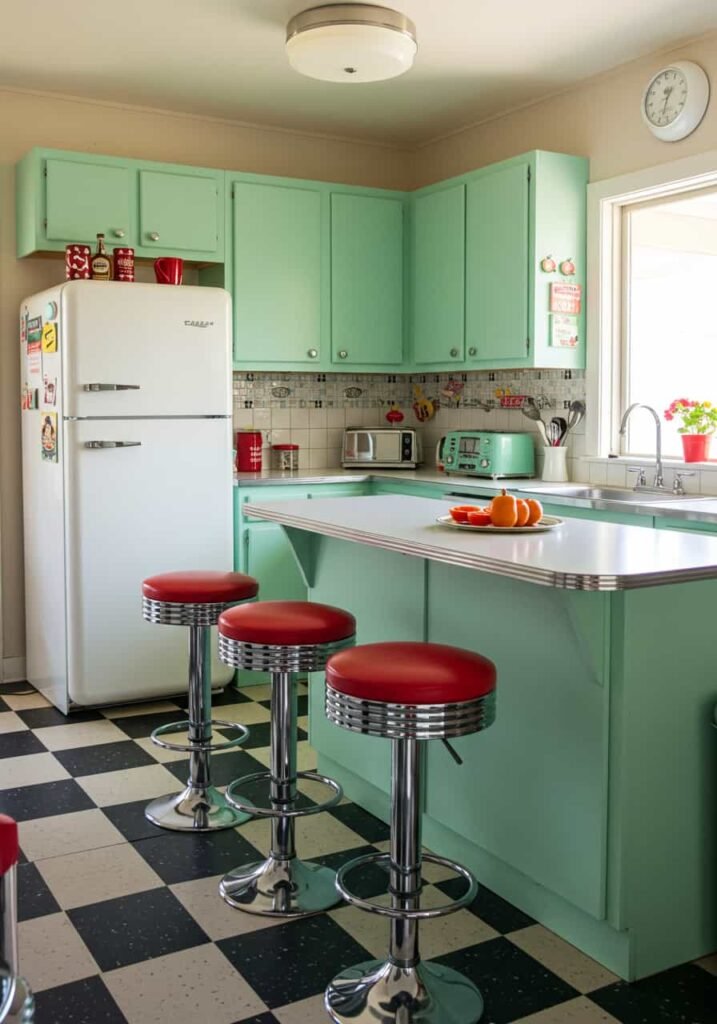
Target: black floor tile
(131,821)
(373,830)
(81,1002)
(292,961)
(260,735)
(489,907)
(15,744)
(43,799)
(229,696)
(139,726)
(225,767)
(302,704)
(34,899)
(181,857)
(683,995)
(39,718)
(513,984)
(366,882)
(263,1018)
(3,705)
(129,929)
(104,757)
(20,688)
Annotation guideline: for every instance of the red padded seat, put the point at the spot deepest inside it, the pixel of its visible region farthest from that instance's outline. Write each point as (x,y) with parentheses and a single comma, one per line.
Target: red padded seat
(9,849)
(200,587)
(411,673)
(286,623)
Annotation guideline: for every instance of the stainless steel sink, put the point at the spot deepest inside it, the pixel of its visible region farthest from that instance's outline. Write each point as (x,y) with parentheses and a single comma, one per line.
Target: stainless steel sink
(617,494)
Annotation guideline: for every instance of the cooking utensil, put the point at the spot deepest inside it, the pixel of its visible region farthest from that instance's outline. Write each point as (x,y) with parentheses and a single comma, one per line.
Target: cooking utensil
(556,430)
(576,411)
(531,410)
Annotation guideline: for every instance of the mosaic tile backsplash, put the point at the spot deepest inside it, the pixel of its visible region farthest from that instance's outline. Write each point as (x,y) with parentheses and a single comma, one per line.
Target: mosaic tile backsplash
(312,409)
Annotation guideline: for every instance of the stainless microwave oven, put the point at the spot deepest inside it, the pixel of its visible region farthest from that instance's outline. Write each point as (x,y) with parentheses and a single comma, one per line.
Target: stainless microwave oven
(381,448)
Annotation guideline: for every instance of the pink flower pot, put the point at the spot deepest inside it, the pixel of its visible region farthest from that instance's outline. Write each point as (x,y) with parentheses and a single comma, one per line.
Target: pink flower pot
(696,447)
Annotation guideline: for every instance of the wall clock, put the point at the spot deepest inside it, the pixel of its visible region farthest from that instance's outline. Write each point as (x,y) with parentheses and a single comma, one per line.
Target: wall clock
(675,100)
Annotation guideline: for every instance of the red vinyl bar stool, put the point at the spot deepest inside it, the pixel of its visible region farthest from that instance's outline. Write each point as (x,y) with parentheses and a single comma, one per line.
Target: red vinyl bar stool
(17,1005)
(407,692)
(282,638)
(196,599)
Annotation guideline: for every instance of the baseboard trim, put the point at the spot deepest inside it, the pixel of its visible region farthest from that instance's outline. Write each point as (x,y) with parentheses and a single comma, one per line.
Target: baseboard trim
(13,670)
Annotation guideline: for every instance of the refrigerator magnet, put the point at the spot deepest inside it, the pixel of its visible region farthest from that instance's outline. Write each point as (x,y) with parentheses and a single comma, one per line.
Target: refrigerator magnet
(48,438)
(49,337)
(50,394)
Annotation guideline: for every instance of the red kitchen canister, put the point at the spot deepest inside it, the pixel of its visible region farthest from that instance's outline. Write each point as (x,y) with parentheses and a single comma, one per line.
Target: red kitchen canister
(77,262)
(248,451)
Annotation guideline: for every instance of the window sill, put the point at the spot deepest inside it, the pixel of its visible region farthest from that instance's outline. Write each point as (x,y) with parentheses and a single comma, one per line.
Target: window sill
(669,462)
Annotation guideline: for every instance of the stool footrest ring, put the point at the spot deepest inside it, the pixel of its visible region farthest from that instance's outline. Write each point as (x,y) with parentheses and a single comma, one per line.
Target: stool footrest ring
(273,812)
(408,915)
(189,748)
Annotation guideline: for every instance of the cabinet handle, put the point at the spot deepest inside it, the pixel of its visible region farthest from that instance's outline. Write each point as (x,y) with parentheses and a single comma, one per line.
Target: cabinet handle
(118,232)
(473,351)
(454,353)
(312,353)
(343,354)
(154,236)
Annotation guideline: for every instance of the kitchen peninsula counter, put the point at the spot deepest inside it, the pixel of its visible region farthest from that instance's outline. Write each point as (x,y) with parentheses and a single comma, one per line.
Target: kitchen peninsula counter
(590,803)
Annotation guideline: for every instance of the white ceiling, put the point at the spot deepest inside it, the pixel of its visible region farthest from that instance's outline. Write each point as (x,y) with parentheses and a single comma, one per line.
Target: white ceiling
(225,58)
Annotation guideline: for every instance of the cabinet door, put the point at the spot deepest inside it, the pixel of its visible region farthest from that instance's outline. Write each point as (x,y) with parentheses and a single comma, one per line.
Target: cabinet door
(438,301)
(366,279)
(269,558)
(277,274)
(497,266)
(181,210)
(83,199)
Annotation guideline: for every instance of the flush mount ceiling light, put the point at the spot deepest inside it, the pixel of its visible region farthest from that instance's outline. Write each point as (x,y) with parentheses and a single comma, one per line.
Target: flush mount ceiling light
(351,43)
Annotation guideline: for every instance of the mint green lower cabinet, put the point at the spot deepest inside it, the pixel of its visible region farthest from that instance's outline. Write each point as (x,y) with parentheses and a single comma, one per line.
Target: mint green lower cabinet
(664,523)
(268,558)
(497,225)
(181,212)
(366,280)
(83,198)
(277,274)
(438,276)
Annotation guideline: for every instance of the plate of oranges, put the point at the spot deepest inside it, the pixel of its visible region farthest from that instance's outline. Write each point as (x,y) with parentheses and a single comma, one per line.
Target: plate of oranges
(505,514)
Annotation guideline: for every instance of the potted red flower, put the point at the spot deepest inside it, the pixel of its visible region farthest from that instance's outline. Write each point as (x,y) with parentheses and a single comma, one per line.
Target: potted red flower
(699,422)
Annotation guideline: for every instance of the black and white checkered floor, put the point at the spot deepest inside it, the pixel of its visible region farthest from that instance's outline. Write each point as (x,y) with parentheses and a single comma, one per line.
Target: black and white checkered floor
(121,921)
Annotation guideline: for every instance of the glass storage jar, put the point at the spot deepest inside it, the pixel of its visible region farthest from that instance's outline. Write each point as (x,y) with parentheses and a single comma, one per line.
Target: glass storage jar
(285,457)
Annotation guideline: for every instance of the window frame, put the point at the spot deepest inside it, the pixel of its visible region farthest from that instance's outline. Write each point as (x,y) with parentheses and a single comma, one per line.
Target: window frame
(605,274)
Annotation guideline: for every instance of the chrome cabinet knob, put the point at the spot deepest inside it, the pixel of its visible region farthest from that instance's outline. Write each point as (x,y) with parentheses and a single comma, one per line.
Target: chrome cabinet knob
(454,353)
(343,354)
(473,351)
(118,233)
(312,353)
(154,236)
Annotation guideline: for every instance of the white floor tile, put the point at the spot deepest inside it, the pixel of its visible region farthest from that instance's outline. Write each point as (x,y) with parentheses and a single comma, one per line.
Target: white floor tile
(96,875)
(562,959)
(31,769)
(64,834)
(132,784)
(81,734)
(215,917)
(52,953)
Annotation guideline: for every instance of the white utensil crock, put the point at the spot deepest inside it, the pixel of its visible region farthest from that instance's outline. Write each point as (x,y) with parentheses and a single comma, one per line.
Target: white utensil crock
(555,466)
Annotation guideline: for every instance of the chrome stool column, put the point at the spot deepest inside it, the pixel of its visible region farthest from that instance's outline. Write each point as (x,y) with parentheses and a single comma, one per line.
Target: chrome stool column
(282,638)
(17,1005)
(196,600)
(407,692)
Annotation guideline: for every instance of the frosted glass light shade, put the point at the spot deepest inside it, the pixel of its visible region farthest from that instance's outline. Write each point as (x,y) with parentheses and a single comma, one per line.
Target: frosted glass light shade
(350,43)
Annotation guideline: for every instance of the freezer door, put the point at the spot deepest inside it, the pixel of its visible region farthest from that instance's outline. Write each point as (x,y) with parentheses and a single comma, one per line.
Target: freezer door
(160,502)
(133,349)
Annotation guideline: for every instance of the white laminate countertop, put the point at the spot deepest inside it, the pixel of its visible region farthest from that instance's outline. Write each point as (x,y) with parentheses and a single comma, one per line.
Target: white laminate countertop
(579,555)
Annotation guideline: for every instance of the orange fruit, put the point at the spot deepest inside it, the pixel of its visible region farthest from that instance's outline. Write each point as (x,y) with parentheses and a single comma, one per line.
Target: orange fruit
(536,511)
(504,510)
(481,517)
(523,512)
(459,513)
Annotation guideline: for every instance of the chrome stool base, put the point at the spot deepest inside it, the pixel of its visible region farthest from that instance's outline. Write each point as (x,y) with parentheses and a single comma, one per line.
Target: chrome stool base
(194,810)
(381,992)
(281,888)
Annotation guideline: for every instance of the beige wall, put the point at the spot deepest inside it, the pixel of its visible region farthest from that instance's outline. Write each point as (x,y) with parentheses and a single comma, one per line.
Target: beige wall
(28,120)
(600,119)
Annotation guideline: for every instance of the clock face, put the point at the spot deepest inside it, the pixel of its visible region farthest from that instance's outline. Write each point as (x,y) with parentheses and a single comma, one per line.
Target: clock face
(666,98)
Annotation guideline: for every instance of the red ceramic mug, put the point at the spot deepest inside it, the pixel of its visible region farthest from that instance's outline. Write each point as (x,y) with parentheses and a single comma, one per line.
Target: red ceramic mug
(168,270)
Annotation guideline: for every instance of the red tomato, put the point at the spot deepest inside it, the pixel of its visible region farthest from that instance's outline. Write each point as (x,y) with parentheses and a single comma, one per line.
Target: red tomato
(459,513)
(479,518)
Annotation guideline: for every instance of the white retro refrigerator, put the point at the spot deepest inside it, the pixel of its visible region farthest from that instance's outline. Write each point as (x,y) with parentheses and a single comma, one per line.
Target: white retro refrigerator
(126,447)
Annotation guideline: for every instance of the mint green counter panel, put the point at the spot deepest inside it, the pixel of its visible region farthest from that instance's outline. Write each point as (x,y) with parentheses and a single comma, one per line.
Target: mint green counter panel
(598,515)
(84,198)
(399,487)
(663,523)
(276,274)
(533,789)
(185,210)
(497,215)
(438,279)
(366,280)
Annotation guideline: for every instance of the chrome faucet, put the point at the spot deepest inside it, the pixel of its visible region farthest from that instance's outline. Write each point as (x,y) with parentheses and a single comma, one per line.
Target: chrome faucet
(659,482)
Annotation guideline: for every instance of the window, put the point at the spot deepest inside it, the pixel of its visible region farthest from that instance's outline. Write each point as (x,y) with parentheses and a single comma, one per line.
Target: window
(669,312)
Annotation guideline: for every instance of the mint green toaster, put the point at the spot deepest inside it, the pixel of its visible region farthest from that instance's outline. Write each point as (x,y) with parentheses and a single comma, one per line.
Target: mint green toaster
(487,453)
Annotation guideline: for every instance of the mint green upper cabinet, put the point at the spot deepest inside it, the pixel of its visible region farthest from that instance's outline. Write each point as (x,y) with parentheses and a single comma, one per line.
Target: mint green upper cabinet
(497,213)
(366,280)
(84,198)
(277,274)
(438,280)
(180,212)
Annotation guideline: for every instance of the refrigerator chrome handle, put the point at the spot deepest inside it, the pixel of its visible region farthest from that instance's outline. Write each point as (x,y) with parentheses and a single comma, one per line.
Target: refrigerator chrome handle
(111,387)
(112,444)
